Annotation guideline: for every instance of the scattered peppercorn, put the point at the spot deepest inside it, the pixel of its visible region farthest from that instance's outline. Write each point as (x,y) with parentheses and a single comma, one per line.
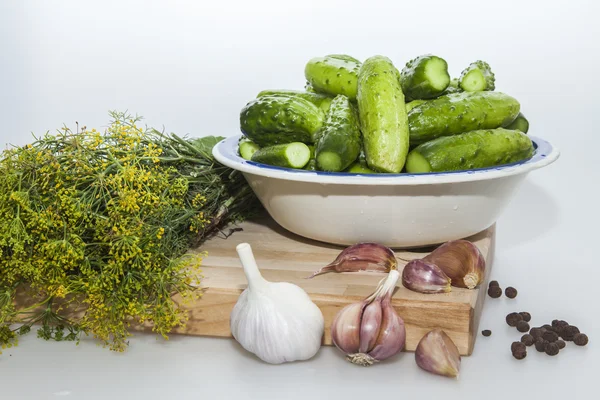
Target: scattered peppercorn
(548,327)
(580,339)
(569,332)
(550,336)
(513,319)
(516,345)
(510,292)
(494,283)
(527,339)
(558,324)
(540,344)
(522,326)
(551,349)
(486,332)
(494,292)
(536,332)
(526,316)
(519,350)
(561,344)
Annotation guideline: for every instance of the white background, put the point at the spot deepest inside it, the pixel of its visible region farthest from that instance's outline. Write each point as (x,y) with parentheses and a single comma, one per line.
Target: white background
(191,66)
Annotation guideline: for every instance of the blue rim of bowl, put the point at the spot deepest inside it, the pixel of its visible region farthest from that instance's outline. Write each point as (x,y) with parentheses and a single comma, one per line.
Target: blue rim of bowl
(226,152)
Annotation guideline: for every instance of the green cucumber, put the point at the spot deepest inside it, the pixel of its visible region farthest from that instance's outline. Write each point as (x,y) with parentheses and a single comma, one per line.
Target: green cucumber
(413,104)
(477,77)
(382,115)
(461,112)
(360,168)
(339,141)
(425,77)
(247,149)
(288,155)
(320,100)
(453,87)
(520,123)
(333,75)
(270,120)
(475,149)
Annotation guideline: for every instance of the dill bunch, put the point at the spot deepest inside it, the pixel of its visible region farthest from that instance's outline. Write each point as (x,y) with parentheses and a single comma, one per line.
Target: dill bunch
(94,229)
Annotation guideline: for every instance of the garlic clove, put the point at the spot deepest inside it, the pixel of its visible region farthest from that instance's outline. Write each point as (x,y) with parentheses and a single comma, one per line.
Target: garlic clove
(370,325)
(362,257)
(345,328)
(461,260)
(425,277)
(438,354)
(392,335)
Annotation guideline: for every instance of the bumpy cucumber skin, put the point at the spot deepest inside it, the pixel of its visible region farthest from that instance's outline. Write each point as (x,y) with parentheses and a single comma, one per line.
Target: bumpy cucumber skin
(486,70)
(270,120)
(276,155)
(318,99)
(461,112)
(520,123)
(412,104)
(340,134)
(333,75)
(382,115)
(475,149)
(415,84)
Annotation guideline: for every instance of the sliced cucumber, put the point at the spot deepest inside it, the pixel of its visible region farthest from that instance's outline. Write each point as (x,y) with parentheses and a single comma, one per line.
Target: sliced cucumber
(288,155)
(520,123)
(247,149)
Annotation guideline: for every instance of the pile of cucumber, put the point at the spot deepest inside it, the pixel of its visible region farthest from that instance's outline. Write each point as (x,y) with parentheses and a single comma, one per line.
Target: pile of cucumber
(371,118)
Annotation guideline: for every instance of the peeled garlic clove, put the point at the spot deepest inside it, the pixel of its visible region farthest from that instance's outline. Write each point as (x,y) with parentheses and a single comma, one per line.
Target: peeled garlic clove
(461,260)
(369,326)
(362,257)
(425,277)
(438,354)
(345,328)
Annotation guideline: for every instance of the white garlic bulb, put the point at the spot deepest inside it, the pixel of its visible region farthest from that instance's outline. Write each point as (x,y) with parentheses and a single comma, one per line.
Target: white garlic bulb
(277,322)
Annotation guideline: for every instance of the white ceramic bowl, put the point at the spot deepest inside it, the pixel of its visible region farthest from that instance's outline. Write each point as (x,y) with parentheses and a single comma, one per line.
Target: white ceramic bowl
(397,210)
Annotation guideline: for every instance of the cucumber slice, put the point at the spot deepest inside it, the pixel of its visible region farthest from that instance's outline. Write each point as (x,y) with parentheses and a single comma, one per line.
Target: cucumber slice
(288,155)
(425,77)
(247,149)
(478,76)
(360,168)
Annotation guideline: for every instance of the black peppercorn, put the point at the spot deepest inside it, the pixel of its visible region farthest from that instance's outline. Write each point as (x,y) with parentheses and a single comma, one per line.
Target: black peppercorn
(561,344)
(510,292)
(548,327)
(540,344)
(527,339)
(551,349)
(513,319)
(516,345)
(580,339)
(519,351)
(486,332)
(522,326)
(493,283)
(526,316)
(559,324)
(550,336)
(536,332)
(569,332)
(494,292)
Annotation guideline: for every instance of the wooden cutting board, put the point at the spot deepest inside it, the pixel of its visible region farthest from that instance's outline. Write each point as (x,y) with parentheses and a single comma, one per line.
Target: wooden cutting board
(285,257)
